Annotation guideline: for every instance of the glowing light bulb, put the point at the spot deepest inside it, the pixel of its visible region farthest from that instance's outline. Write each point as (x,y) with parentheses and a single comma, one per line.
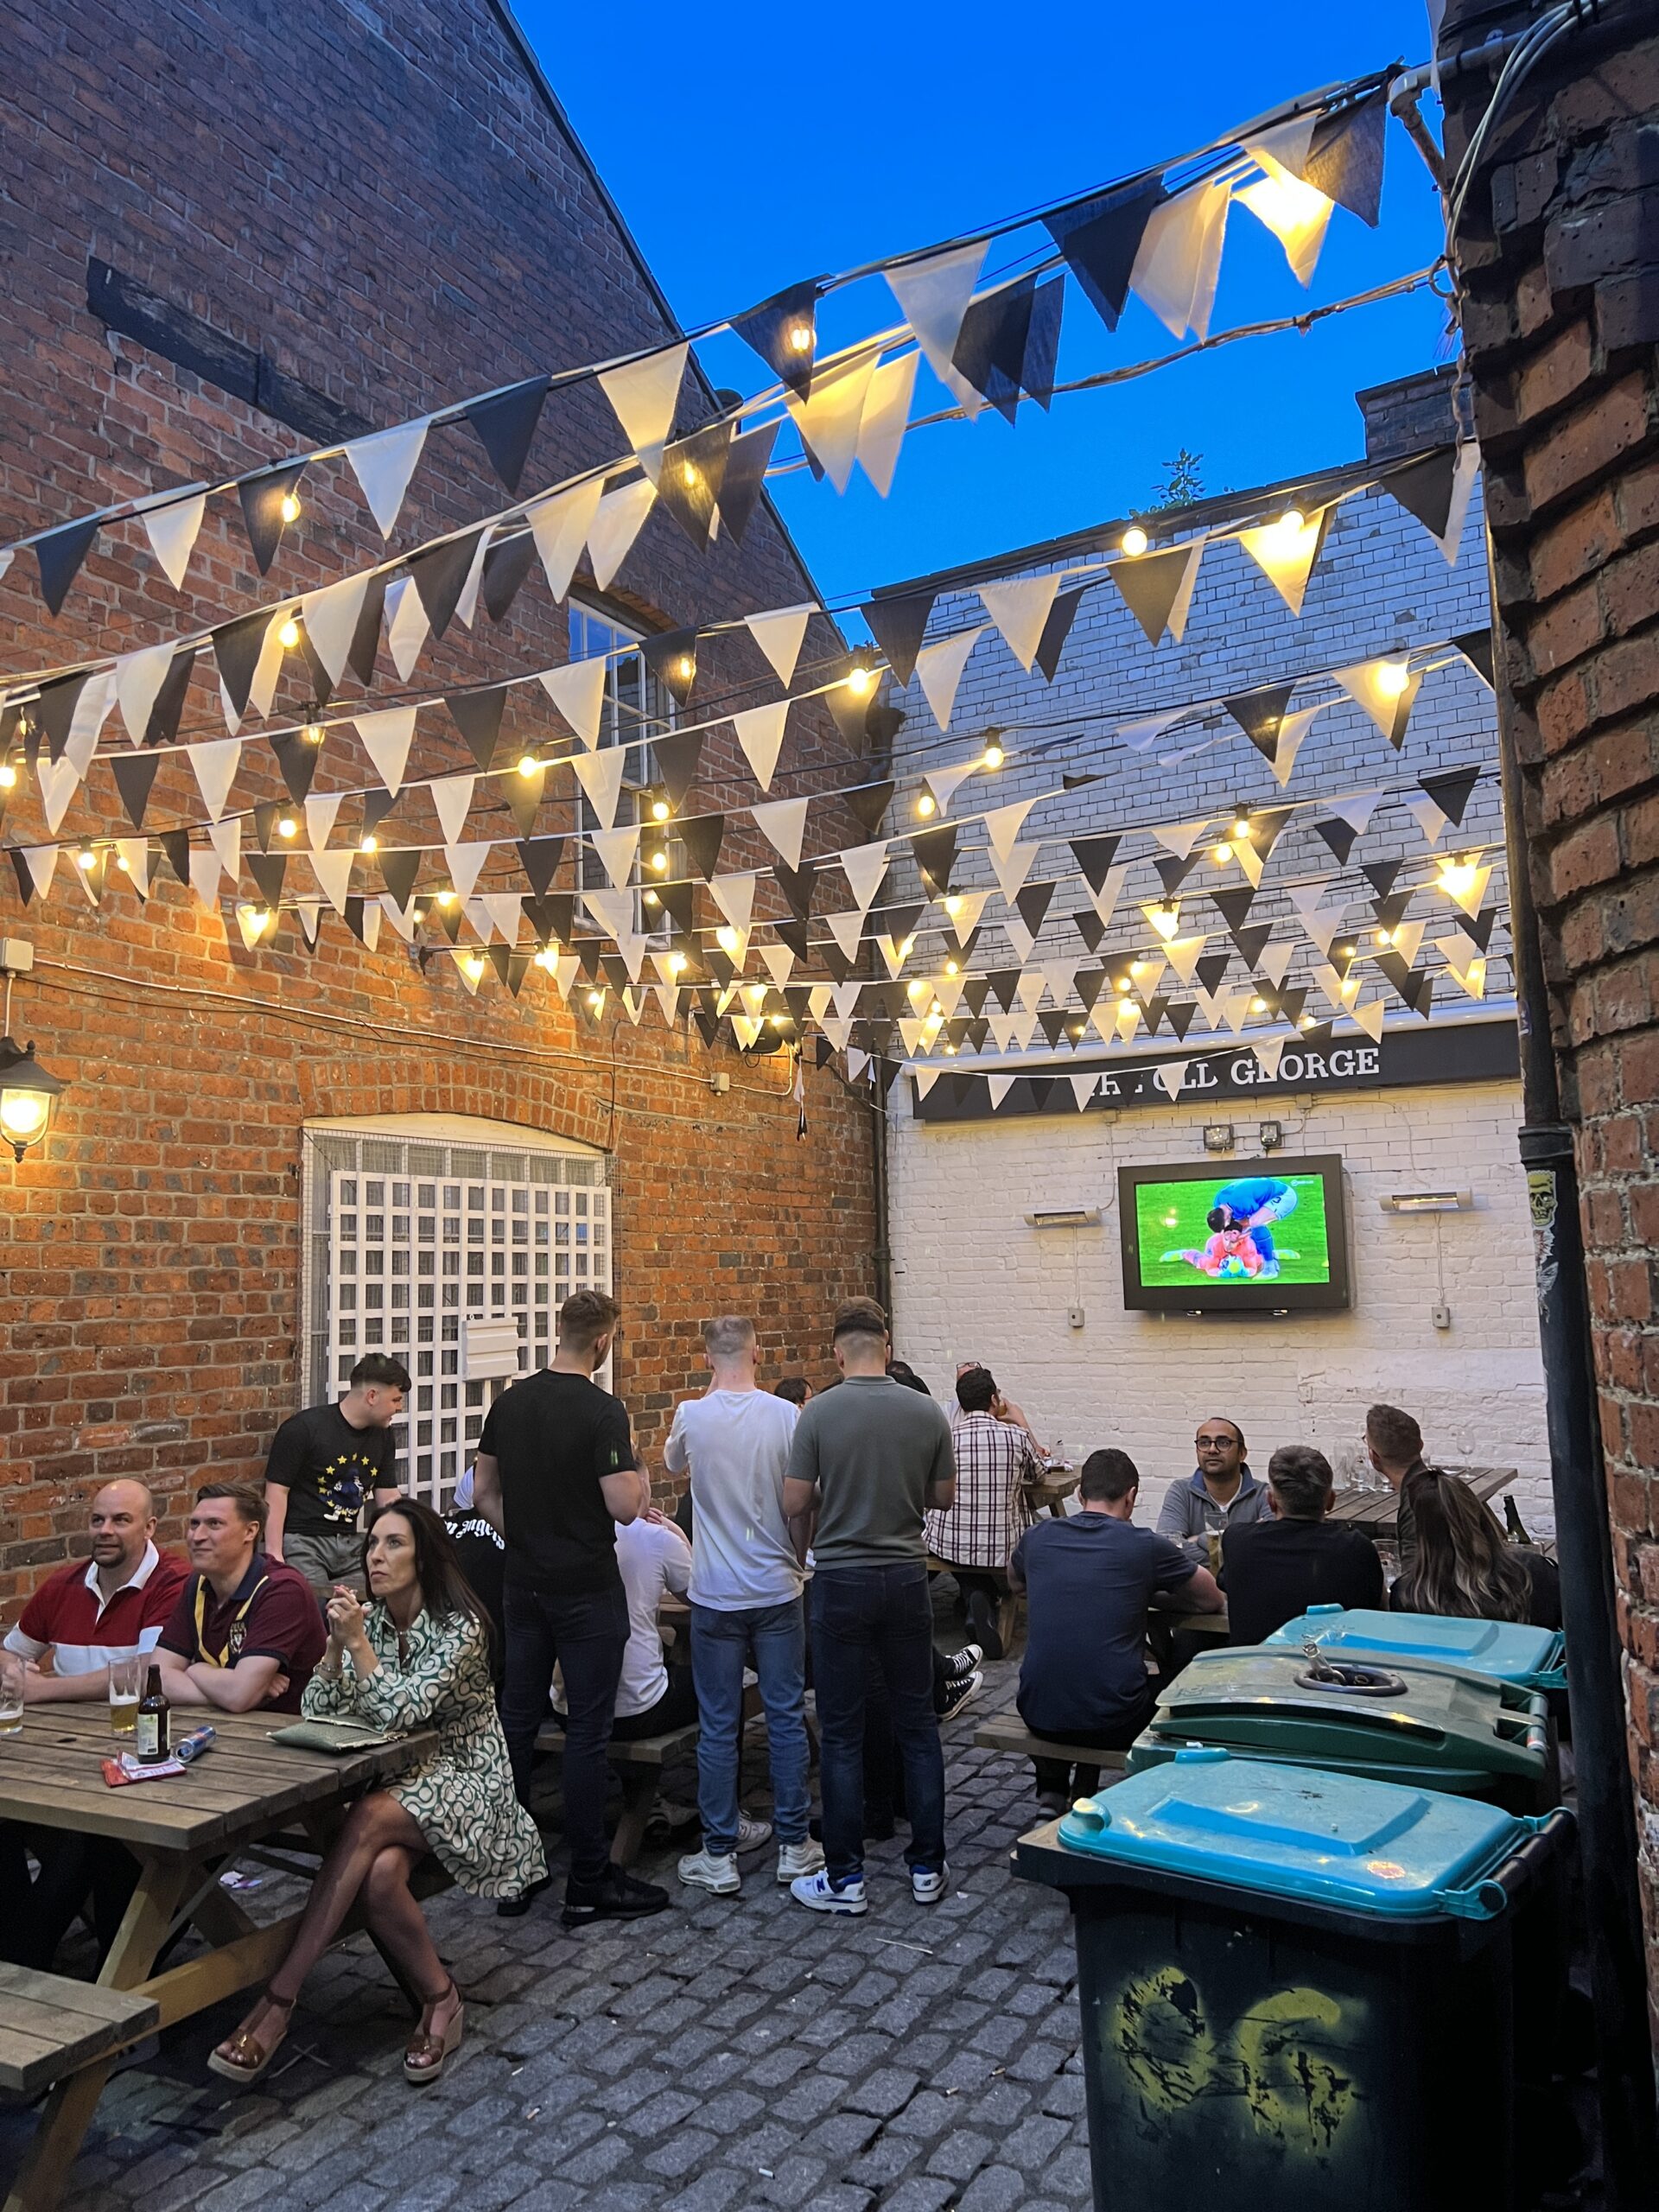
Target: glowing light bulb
(927,805)
(1221,855)
(418,914)
(311,734)
(916,991)
(907,948)
(1458,877)
(529,765)
(690,474)
(86,858)
(1385,937)
(1135,541)
(473,964)
(685,668)
(950,1051)
(1307,1021)
(8,776)
(22,1113)
(1164,920)
(659,809)
(291,509)
(595,1000)
(370,843)
(121,862)
(778,1019)
(1124,985)
(1347,950)
(677,963)
(859,681)
(1292,521)
(547,957)
(1350,988)
(726,938)
(288,827)
(262,920)
(651,900)
(446,898)
(992,755)
(950,967)
(659,861)
(1392,677)
(755,994)
(1258,1006)
(800,338)
(953,905)
(288,636)
(1077,1029)
(1137,967)
(1241,826)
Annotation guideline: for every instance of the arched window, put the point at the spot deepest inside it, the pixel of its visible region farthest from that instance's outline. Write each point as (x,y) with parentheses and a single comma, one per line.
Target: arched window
(449,1242)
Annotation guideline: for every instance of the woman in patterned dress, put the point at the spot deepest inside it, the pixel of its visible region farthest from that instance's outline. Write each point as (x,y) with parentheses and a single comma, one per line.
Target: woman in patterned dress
(416,1656)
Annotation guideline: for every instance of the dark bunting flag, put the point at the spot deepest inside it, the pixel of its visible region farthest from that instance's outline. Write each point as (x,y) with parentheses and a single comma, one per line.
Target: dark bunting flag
(1172,872)
(1391,912)
(1056,630)
(235,648)
(264,819)
(783,331)
(398,871)
(1090,927)
(1094,855)
(1181,1017)
(162,727)
(377,805)
(1043,341)
(692,473)
(1450,789)
(539,857)
(1033,903)
(1338,837)
(1478,927)
(1052,1023)
(1476,646)
(524,796)
(59,555)
(1087,983)
(701,835)
(360,654)
(477,716)
(1211,968)
(936,855)
(55,710)
(671,657)
(990,347)
(679,901)
(268,870)
(1004,982)
(1259,714)
(1380,875)
(898,625)
(1099,238)
(796,885)
(175,850)
(744,476)
(678,755)
(1345,156)
(1252,943)
(975,992)
(263,498)
(505,567)
(1151,583)
(440,577)
(867,803)
(505,424)
(1233,906)
(797,936)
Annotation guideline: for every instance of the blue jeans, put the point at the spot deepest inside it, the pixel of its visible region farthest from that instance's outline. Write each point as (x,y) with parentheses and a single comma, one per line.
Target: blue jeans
(586,1637)
(722,1644)
(882,1615)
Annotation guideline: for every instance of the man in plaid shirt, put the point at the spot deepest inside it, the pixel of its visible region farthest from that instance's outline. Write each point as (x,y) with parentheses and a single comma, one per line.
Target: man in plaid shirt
(996,1456)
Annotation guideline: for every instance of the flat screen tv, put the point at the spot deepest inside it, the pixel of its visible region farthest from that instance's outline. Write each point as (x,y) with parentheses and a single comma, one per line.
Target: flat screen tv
(1233,1237)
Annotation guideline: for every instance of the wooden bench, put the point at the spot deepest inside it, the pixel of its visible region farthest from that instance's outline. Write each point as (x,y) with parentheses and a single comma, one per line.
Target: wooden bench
(642,1762)
(50,2027)
(1007,1733)
(1008,1604)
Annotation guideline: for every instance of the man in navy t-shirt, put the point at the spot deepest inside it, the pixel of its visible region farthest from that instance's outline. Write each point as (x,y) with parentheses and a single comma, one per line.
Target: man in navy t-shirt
(1089,1580)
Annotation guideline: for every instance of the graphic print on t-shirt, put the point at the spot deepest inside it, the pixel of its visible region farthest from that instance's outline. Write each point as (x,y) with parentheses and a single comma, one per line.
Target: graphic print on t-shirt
(328,1468)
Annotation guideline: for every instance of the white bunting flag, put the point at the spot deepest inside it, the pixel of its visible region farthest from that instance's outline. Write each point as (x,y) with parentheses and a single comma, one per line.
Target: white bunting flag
(1170,1075)
(924,1078)
(778,634)
(465,864)
(735,896)
(1250,861)
(600,775)
(645,394)
(948,990)
(1468,887)
(1083,1087)
(1292,730)
(386,739)
(1370,1017)
(1126,1019)
(560,527)
(1030,988)
(895,952)
(138,678)
(334,875)
(1019,936)
(132,857)
(371,927)
(1465,475)
(618,520)
(827,419)
(478,918)
(1104,900)
(1467,967)
(172,530)
(1297,214)
(1004,823)
(1330,986)
(269,667)
(781,821)
(578,692)
(760,733)
(1356,812)
(330,617)
(938,671)
(847,930)
(1143,734)
(1011,873)
(225,838)
(466,604)
(945,783)
(1274,963)
(999,1086)
(452,798)
(406,625)
(59,781)
(933,295)
(1405,938)
(215,766)
(506,911)
(1267,1050)
(1384,689)
(1180,837)
(383,464)
(667,998)
(912,1033)
(204,876)
(779,962)
(864,866)
(321,813)
(887,416)
(970,906)
(1178,261)
(1285,551)
(41,861)
(618,849)
(401,917)
(1019,609)
(1183,954)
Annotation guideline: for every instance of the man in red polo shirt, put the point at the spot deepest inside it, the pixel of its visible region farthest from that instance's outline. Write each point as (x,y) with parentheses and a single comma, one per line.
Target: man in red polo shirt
(115,1604)
(245,1633)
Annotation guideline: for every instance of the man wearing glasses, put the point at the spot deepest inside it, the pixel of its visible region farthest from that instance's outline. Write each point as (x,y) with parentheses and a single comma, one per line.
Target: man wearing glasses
(1221,1494)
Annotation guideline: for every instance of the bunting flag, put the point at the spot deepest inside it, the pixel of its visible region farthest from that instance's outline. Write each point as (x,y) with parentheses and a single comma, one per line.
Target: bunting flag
(578,692)
(945,783)
(600,775)
(452,799)
(1292,730)
(829,420)
(330,617)
(1056,631)
(619,850)
(139,678)
(702,836)
(1003,825)
(898,625)
(783,332)
(1178,261)
(465,864)
(1100,239)
(1297,213)
(1344,157)
(1178,838)
(383,464)
(1285,550)
(935,853)
(406,629)
(135,774)
(693,475)
(386,740)
(1260,712)
(1476,646)
(781,821)
(1386,689)
(938,671)
(1157,587)
(559,527)
(885,417)
(643,395)
(779,636)
(215,765)
(59,555)
(618,520)
(173,529)
(505,424)
(933,294)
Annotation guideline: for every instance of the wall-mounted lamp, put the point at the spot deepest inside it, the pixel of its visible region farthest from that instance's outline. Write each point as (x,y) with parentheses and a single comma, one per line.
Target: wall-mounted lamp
(1065,1217)
(28,1092)
(1217,1136)
(1428,1202)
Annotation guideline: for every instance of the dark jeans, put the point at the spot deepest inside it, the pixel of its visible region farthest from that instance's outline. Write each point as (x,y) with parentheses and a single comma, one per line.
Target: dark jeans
(881,1616)
(1079,1779)
(586,1637)
(675,1708)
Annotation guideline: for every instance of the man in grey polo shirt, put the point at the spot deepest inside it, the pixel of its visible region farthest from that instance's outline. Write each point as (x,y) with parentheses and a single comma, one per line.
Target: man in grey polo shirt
(1222,1494)
(871,1458)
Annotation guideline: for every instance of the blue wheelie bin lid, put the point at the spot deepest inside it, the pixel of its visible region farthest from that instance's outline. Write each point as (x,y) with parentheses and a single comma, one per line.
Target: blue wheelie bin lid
(1304,1834)
(1507,1650)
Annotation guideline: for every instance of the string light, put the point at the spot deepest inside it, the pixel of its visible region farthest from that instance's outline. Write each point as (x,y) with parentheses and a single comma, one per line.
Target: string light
(446,898)
(418,914)
(651,900)
(950,967)
(1221,855)
(677,963)
(726,938)
(1166,920)
(1392,677)
(288,636)
(1385,937)
(659,861)
(685,668)
(529,765)
(87,857)
(917,990)
(290,510)
(474,965)
(311,734)
(1137,967)
(778,1019)
(8,775)
(122,863)
(1241,826)
(1350,987)
(547,957)
(659,809)
(927,805)
(1258,1006)
(1293,522)
(288,827)
(950,1051)
(1347,950)
(756,995)
(1135,541)
(1076,1031)
(690,474)
(370,843)
(860,680)
(595,1000)
(1124,985)
(953,905)
(1458,877)
(800,337)
(992,755)
(1308,1021)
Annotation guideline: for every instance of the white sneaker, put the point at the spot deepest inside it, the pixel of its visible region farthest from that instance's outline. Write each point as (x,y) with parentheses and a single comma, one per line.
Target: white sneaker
(752,1834)
(795,1859)
(819,1894)
(706,1870)
(926,1888)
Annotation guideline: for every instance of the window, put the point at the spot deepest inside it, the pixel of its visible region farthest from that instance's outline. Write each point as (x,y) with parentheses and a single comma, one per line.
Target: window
(420,1232)
(636,704)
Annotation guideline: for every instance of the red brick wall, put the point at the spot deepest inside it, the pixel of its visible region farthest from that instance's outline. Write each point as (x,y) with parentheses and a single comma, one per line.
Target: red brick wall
(382,203)
(1560,323)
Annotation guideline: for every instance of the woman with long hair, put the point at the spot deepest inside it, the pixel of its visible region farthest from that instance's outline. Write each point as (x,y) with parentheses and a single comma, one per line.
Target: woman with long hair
(416,1656)
(1463,1564)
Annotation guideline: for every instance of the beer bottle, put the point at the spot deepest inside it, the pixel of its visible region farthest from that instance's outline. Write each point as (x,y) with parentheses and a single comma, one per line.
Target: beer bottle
(150,1728)
(1513,1527)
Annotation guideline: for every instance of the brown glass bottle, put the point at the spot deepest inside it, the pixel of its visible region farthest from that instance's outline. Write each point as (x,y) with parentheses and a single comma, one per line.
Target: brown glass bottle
(150,1728)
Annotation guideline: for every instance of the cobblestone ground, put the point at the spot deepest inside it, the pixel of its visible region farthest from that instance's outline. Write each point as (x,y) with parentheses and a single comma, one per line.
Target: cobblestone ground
(731,2052)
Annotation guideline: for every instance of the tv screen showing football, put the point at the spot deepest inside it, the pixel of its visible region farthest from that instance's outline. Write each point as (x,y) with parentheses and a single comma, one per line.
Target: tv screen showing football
(1250,1236)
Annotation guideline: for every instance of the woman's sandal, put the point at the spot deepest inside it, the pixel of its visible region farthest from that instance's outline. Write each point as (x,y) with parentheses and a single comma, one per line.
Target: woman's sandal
(426,2055)
(243,2057)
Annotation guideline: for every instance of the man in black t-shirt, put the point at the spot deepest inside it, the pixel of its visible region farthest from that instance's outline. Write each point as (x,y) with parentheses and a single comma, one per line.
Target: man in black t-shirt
(555,1471)
(1274,1569)
(324,1463)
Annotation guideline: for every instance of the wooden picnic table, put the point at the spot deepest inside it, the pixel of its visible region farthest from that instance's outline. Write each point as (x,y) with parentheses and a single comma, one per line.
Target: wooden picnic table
(1052,1489)
(179,1830)
(1377,1510)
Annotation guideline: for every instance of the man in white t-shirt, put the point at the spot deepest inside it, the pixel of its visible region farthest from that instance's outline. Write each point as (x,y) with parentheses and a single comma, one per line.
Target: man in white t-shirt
(747,1576)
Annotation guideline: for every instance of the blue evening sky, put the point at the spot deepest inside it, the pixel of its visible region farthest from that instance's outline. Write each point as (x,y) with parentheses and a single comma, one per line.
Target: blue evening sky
(747,150)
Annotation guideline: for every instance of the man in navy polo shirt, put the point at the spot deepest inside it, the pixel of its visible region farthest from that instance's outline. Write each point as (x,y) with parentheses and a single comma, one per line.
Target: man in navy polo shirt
(245,1634)
(114,1605)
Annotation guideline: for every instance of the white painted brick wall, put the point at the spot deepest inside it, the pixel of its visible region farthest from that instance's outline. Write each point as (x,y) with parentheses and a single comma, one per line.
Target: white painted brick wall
(972,1279)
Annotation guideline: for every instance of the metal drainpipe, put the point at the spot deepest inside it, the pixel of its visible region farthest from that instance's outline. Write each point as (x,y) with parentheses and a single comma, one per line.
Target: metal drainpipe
(883,1254)
(1606,1812)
